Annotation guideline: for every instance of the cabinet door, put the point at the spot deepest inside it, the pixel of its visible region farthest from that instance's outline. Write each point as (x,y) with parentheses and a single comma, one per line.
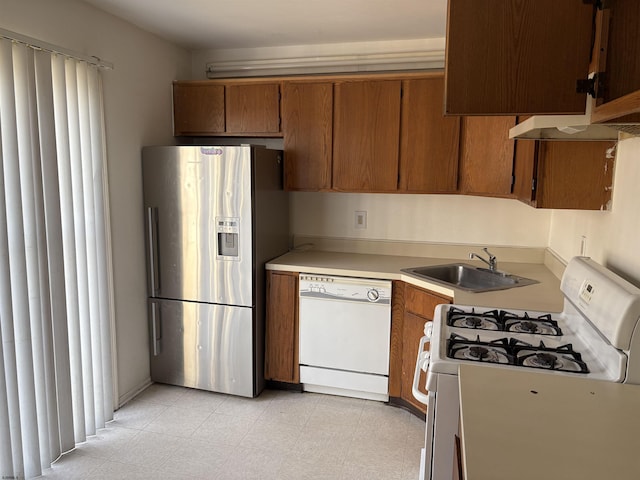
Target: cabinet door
(253,108)
(281,335)
(514,57)
(307,127)
(366,136)
(486,156)
(574,175)
(198,109)
(429,141)
(616,54)
(525,167)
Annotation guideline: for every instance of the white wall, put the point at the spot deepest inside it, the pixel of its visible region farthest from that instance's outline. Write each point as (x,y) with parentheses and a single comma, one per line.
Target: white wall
(612,238)
(137,97)
(424,218)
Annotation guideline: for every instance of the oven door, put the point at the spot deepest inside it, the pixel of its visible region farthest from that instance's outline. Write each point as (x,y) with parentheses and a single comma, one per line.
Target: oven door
(428,399)
(443,414)
(440,436)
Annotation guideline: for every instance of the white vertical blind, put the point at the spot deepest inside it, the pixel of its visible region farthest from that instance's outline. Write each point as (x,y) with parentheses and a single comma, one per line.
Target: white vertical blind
(55,309)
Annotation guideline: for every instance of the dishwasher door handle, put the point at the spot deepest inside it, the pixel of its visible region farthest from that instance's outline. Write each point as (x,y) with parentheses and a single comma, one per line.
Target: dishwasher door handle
(422,364)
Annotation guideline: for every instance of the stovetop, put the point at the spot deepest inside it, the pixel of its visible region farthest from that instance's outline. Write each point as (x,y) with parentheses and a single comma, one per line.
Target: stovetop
(557,343)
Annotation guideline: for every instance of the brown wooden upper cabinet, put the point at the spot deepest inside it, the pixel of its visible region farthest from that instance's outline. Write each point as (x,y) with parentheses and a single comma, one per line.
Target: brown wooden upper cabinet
(307,125)
(375,134)
(558,174)
(616,58)
(198,108)
(543,174)
(366,135)
(525,57)
(253,108)
(219,108)
(514,57)
(486,156)
(429,141)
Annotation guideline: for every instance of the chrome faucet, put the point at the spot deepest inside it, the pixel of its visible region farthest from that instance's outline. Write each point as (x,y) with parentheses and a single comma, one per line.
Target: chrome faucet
(492,262)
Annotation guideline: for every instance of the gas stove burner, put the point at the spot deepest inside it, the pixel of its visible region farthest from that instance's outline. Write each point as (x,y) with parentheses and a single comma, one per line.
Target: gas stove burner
(540,360)
(490,320)
(475,350)
(542,325)
(561,359)
(478,352)
(472,322)
(529,327)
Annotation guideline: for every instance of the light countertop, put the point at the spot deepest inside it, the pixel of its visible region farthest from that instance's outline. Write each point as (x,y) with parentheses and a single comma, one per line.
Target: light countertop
(544,296)
(529,425)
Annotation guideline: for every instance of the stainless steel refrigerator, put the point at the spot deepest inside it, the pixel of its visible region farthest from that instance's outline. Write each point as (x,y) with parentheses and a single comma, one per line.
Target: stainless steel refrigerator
(213,217)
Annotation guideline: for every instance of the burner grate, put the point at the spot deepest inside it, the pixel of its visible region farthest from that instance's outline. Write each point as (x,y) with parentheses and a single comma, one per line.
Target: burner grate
(502,320)
(516,352)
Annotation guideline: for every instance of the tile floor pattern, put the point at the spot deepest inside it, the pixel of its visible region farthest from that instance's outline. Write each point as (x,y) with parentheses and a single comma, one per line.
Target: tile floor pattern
(171,432)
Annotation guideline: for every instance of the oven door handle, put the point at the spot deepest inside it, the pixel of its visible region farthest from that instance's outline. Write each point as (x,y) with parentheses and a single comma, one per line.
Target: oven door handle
(422,364)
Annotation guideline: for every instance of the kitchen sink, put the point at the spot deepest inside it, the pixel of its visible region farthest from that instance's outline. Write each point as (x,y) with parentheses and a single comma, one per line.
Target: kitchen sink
(469,278)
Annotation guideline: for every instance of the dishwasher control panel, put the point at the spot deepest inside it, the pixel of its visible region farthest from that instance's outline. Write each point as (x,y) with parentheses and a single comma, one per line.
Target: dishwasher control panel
(350,289)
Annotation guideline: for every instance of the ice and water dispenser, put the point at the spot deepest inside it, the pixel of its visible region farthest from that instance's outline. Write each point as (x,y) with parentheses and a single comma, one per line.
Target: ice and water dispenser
(228,229)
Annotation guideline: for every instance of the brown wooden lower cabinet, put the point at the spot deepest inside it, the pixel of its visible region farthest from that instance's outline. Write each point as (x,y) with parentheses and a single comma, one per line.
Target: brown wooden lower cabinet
(281,332)
(412,307)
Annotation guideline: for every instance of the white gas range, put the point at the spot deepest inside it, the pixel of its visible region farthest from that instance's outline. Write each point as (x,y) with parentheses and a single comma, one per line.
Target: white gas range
(596,336)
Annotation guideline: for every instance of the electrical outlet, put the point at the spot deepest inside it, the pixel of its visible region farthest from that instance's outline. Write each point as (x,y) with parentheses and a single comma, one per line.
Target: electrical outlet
(361,219)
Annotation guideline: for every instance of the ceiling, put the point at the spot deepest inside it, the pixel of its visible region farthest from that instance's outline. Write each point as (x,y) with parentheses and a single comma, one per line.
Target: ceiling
(226,24)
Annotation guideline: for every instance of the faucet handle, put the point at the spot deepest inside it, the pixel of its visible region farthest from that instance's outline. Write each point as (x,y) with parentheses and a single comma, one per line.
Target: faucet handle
(493,260)
(492,257)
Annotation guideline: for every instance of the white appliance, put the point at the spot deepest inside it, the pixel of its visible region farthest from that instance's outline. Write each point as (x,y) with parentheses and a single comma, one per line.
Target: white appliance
(345,330)
(597,336)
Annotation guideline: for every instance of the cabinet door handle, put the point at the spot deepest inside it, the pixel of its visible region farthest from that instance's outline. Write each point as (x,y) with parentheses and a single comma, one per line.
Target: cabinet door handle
(152,230)
(156,331)
(422,364)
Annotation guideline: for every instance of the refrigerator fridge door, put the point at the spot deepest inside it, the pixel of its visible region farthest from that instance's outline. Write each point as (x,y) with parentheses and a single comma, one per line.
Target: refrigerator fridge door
(198,223)
(203,346)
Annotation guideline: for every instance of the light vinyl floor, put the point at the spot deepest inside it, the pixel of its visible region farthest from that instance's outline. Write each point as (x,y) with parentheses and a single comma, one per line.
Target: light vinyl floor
(170,432)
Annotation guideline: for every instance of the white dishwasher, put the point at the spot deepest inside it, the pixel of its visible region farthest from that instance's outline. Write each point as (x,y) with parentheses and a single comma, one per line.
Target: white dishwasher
(345,329)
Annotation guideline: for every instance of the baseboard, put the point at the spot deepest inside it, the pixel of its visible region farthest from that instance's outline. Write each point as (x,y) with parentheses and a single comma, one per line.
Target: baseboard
(402,403)
(275,385)
(131,394)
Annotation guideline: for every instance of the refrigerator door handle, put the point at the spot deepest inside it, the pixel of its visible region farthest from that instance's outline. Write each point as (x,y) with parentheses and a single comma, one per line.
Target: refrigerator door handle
(152,230)
(156,333)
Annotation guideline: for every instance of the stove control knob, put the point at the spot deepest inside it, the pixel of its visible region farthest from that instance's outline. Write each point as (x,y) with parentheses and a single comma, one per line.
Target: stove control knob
(428,329)
(373,295)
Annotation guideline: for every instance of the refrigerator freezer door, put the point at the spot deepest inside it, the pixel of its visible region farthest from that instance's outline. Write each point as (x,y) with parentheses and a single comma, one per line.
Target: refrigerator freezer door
(198,223)
(203,346)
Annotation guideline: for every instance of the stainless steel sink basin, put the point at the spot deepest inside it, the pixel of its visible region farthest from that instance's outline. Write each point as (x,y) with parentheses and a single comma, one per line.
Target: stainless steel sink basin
(469,278)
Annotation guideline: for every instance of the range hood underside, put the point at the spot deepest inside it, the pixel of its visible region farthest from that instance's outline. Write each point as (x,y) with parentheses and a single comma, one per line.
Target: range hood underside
(566,127)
